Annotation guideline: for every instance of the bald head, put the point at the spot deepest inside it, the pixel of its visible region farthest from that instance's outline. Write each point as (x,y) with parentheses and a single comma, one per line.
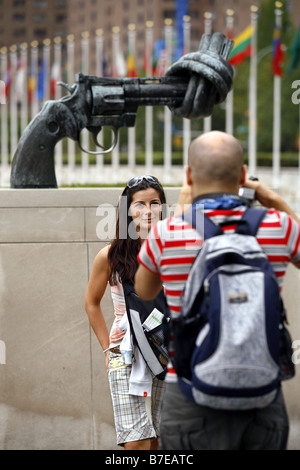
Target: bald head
(216,162)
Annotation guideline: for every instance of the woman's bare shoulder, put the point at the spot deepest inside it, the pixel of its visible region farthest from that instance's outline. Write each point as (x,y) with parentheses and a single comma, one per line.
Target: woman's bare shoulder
(101,259)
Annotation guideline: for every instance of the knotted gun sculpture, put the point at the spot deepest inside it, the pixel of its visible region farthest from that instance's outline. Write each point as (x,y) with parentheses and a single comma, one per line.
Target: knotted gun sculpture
(191,88)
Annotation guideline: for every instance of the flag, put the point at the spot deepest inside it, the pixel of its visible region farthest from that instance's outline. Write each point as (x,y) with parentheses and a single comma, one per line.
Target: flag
(160,58)
(20,80)
(181,11)
(294,51)
(2,93)
(105,69)
(229,32)
(119,67)
(41,81)
(277,52)
(148,66)
(31,85)
(242,47)
(55,76)
(162,64)
(8,80)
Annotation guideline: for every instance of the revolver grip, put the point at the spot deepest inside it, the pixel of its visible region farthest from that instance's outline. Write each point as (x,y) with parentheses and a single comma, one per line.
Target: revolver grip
(33,163)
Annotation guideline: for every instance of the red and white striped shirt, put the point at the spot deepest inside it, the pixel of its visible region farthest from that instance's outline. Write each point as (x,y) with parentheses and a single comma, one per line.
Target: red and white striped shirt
(173,244)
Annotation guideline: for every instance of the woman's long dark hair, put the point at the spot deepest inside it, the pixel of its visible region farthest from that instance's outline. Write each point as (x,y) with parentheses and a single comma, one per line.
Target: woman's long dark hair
(122,255)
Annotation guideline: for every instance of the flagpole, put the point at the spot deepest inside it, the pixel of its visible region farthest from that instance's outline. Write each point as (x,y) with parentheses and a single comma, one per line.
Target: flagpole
(13,102)
(186,122)
(277,111)
(70,58)
(33,73)
(70,78)
(58,151)
(46,58)
(168,32)
(84,134)
(4,122)
(99,52)
(253,94)
(149,109)
(99,72)
(207,30)
(229,100)
(131,130)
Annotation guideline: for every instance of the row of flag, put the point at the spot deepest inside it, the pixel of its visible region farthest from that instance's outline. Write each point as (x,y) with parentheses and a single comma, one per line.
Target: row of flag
(36,83)
(245,45)
(30,79)
(126,65)
(39,79)
(242,49)
(27,81)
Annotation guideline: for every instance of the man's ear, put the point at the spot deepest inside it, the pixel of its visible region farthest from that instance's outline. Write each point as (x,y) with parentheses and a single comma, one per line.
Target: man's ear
(243,175)
(188,172)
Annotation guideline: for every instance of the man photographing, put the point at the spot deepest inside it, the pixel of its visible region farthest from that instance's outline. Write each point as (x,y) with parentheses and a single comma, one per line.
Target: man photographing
(214,175)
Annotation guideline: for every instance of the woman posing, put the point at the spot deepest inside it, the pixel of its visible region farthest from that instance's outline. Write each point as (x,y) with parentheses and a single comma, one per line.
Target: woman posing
(140,207)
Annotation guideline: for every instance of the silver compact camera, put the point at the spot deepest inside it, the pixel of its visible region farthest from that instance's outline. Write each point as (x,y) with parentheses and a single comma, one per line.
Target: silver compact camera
(248,193)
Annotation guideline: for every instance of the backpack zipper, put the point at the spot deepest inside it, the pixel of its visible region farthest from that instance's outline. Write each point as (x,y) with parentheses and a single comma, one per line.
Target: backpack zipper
(222,269)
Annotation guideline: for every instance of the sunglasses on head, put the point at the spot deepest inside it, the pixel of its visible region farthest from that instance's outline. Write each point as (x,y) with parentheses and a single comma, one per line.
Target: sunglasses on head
(138,180)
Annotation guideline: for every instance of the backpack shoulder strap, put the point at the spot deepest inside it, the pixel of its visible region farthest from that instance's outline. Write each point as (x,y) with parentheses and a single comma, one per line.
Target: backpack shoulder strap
(252,219)
(206,227)
(249,225)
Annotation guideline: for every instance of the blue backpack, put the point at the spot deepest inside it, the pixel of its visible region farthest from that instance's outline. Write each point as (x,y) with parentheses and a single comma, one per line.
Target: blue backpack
(227,338)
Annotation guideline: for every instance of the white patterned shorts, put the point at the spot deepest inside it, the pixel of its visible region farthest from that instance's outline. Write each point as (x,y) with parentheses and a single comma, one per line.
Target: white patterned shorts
(136,417)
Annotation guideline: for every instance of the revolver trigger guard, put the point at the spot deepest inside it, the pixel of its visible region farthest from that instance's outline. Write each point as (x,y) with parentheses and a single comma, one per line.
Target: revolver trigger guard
(104,151)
